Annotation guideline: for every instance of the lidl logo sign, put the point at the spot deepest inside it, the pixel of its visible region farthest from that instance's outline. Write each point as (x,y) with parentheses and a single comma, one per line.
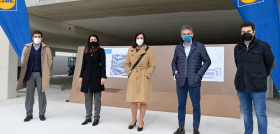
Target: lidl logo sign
(242,3)
(8,5)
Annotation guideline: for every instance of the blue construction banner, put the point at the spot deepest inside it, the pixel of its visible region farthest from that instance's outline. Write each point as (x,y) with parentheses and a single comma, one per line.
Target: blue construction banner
(265,15)
(14,21)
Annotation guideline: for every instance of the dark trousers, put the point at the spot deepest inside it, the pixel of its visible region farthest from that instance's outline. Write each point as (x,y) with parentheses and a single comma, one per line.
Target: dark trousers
(182,93)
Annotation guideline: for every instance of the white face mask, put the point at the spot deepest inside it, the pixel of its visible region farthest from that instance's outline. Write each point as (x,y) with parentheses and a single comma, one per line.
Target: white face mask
(37,40)
(139,42)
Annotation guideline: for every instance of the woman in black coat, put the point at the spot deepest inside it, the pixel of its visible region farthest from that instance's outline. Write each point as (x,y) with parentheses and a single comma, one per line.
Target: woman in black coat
(92,77)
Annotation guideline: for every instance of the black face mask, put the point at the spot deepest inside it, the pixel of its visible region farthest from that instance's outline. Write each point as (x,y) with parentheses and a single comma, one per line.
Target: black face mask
(246,37)
(93,44)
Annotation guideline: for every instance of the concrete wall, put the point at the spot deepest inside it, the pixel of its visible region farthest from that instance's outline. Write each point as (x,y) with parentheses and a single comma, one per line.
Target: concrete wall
(8,68)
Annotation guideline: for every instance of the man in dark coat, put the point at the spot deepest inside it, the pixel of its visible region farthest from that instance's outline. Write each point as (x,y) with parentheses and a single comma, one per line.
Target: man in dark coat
(254,61)
(188,70)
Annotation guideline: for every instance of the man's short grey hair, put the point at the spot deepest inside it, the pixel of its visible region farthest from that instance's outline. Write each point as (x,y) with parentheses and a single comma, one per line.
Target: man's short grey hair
(186,27)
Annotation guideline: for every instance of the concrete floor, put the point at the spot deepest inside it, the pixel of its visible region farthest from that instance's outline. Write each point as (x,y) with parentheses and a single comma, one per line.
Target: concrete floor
(61,81)
(65,118)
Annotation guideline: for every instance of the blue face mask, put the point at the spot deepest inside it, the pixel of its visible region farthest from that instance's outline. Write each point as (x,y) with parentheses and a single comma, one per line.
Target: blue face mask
(187,38)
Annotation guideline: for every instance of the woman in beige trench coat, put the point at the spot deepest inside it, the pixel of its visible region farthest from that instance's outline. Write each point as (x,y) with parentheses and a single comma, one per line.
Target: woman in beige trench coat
(139,86)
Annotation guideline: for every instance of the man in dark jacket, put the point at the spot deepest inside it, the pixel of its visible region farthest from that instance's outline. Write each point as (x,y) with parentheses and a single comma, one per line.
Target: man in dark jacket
(188,70)
(254,61)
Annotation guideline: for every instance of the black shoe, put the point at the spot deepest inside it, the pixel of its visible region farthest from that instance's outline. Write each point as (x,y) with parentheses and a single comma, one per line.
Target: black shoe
(196,131)
(86,121)
(140,129)
(180,131)
(95,122)
(42,117)
(132,126)
(28,118)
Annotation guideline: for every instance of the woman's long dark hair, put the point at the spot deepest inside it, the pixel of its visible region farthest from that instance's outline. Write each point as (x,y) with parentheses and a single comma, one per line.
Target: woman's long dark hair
(134,44)
(87,49)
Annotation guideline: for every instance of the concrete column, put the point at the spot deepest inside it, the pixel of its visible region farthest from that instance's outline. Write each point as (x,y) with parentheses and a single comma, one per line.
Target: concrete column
(8,68)
(269,93)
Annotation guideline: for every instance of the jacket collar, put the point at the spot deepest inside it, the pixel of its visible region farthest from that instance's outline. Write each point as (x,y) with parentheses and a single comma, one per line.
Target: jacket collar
(251,45)
(182,43)
(30,44)
(140,52)
(193,47)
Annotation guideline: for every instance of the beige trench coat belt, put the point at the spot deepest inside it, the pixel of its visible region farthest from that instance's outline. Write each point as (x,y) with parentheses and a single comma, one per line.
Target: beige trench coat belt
(138,69)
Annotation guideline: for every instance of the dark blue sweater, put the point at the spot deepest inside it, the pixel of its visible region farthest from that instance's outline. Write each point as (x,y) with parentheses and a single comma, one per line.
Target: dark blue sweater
(34,62)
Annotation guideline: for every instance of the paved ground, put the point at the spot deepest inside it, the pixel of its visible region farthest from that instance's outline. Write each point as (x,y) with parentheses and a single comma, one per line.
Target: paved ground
(65,118)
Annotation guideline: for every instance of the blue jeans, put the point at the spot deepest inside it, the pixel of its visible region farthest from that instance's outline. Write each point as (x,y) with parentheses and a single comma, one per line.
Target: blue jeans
(258,99)
(182,93)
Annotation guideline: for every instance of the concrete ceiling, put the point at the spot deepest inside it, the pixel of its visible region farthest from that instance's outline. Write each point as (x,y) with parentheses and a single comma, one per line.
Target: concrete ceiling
(87,9)
(209,26)
(213,21)
(61,41)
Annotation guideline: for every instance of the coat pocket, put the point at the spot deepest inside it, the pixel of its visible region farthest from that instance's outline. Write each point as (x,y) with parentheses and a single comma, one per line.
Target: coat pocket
(179,80)
(259,81)
(177,76)
(255,56)
(197,79)
(237,81)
